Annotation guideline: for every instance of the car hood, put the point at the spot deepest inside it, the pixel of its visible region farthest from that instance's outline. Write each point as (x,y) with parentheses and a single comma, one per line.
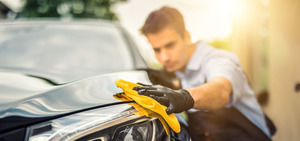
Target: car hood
(52,101)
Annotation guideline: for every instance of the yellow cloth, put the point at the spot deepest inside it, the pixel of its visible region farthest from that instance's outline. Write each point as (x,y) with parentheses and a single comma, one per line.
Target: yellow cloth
(146,105)
(143,111)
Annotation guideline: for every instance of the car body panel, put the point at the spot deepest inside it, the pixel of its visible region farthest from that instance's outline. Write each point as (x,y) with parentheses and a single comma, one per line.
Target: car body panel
(37,87)
(86,93)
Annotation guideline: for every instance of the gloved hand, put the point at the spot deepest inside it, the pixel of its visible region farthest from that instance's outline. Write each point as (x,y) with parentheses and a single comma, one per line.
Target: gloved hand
(176,101)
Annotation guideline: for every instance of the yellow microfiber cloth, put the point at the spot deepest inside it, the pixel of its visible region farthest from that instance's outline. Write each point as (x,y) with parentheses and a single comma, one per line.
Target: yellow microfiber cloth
(146,105)
(143,111)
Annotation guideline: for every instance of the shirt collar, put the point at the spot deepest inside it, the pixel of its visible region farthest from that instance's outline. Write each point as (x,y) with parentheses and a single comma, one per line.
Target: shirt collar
(195,61)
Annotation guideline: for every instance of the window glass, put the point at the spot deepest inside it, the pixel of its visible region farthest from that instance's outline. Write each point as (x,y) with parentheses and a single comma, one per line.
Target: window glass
(64,48)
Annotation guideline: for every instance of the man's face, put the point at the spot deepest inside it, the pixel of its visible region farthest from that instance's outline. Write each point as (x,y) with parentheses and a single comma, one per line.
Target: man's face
(170,49)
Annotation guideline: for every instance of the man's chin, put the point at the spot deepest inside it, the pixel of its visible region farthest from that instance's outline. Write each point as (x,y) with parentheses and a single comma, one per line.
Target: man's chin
(171,70)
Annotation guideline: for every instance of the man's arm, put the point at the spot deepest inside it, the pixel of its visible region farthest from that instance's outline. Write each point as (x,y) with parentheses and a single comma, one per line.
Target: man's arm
(212,95)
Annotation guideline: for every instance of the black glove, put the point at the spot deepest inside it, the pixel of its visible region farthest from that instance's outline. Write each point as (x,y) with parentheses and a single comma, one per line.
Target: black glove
(177,101)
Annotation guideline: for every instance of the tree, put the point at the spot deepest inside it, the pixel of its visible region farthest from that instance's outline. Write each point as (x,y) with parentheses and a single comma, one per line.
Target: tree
(70,8)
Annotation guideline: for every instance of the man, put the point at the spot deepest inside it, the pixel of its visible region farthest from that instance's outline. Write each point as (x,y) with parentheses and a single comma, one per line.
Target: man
(223,105)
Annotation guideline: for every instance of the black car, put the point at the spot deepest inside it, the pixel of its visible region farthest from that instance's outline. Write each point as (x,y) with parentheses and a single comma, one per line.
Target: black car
(57,81)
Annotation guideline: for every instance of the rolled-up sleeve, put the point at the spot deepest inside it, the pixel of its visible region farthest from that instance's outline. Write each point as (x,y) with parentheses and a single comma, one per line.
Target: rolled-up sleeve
(229,68)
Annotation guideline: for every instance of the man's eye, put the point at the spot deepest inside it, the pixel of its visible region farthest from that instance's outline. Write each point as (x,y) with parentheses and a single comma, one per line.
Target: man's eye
(170,45)
(156,50)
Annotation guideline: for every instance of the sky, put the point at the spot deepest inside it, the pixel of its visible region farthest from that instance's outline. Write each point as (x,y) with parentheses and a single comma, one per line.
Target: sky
(14,4)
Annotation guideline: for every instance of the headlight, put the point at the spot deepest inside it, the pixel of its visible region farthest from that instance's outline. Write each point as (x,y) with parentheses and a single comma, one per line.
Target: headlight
(116,122)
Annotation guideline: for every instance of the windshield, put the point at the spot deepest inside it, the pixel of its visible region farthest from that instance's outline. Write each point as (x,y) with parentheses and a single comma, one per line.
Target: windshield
(66,48)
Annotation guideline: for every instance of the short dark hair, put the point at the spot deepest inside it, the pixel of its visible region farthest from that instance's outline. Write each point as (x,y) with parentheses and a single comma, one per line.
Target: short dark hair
(161,18)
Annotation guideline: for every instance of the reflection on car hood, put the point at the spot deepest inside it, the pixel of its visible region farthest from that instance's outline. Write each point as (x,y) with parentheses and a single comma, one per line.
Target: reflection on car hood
(57,101)
(16,86)
(53,77)
(66,98)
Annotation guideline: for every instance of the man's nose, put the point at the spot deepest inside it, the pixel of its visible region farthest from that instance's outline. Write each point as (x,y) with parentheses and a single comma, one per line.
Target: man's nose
(164,56)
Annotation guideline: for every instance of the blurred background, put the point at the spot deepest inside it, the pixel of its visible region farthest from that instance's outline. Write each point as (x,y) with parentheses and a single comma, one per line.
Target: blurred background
(264,34)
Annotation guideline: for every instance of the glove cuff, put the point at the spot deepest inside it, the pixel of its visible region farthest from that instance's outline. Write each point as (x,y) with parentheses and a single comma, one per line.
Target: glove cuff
(188,98)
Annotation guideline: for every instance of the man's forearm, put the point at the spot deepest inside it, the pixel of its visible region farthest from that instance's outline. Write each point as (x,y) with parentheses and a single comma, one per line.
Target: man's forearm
(212,95)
